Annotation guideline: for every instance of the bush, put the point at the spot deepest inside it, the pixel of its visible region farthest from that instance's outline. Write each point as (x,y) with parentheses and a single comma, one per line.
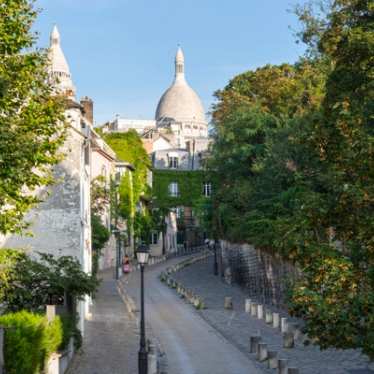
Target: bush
(70,330)
(29,341)
(31,284)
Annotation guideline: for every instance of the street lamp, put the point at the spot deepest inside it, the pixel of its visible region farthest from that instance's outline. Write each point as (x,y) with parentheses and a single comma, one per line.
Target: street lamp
(214,247)
(142,255)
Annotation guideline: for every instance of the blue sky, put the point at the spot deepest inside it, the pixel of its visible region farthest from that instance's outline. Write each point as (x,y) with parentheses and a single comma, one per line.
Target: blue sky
(121,52)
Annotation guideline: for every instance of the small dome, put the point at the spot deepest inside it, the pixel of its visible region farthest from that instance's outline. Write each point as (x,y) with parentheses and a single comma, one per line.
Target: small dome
(57,58)
(180,101)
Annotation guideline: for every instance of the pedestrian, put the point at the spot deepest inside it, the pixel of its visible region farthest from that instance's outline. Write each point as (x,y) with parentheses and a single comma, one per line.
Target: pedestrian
(126,265)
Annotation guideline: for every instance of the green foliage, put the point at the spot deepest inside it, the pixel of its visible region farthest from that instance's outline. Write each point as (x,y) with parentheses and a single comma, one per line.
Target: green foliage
(128,147)
(29,341)
(190,184)
(203,210)
(32,283)
(297,176)
(70,330)
(32,125)
(143,226)
(100,202)
(8,272)
(284,91)
(100,235)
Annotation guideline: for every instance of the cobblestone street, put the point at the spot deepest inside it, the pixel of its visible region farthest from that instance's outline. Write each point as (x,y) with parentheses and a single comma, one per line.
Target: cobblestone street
(191,345)
(111,339)
(237,326)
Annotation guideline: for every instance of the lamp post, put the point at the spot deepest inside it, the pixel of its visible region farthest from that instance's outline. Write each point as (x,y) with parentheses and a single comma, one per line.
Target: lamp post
(215,265)
(142,255)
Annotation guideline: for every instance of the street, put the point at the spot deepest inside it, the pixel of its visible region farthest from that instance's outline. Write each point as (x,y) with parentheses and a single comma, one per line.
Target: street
(190,344)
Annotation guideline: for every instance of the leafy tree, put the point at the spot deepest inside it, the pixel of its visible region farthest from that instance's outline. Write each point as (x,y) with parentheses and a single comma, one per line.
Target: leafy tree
(100,203)
(305,188)
(100,236)
(33,283)
(284,91)
(340,268)
(129,148)
(31,121)
(238,141)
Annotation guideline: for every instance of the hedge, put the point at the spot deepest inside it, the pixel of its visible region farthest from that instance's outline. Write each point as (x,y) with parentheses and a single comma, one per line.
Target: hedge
(29,340)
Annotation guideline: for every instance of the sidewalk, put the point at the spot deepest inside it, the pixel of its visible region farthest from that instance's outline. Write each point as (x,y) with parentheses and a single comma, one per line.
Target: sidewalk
(111,338)
(237,326)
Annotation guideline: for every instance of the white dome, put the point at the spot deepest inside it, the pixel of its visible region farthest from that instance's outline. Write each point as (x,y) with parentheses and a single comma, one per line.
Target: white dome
(59,68)
(56,56)
(180,102)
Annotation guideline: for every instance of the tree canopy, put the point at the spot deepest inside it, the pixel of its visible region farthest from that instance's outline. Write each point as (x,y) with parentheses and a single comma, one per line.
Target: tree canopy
(31,117)
(293,157)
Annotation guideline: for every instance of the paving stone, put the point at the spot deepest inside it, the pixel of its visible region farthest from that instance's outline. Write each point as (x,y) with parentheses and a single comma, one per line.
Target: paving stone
(237,326)
(111,339)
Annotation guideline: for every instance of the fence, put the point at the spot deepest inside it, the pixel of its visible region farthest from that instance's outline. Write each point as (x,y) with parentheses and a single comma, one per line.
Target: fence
(264,276)
(185,251)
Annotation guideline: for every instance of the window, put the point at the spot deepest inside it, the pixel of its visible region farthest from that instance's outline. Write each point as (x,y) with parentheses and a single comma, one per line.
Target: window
(86,150)
(173,189)
(207,189)
(173,162)
(154,237)
(179,211)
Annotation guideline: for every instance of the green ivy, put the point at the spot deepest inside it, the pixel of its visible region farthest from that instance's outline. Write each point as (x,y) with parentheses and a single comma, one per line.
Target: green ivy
(129,148)
(190,184)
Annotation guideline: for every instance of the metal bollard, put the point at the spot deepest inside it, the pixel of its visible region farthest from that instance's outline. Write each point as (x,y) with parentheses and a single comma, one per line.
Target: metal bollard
(276,320)
(253,343)
(268,317)
(260,311)
(262,352)
(152,360)
(282,366)
(272,359)
(228,302)
(284,325)
(253,309)
(288,340)
(247,306)
(293,371)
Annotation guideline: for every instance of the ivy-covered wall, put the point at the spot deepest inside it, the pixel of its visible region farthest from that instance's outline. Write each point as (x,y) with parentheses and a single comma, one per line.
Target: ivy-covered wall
(190,184)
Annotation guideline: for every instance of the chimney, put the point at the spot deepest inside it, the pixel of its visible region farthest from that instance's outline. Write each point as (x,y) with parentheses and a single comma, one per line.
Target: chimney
(87,105)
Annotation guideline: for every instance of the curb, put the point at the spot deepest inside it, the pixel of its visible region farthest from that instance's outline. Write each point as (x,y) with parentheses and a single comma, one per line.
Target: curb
(185,293)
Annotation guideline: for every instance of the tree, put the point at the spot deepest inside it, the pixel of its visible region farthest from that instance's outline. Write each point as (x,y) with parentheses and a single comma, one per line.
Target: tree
(100,204)
(305,187)
(32,283)
(133,187)
(31,118)
(339,272)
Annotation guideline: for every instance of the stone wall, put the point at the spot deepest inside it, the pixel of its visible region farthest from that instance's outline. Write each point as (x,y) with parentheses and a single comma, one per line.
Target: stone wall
(263,275)
(56,223)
